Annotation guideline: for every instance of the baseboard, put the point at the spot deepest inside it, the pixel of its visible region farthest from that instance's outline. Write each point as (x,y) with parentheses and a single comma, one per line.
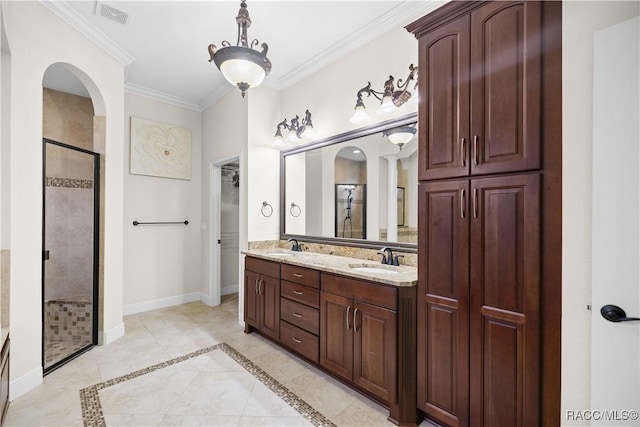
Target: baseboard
(109,336)
(230,289)
(141,307)
(25,383)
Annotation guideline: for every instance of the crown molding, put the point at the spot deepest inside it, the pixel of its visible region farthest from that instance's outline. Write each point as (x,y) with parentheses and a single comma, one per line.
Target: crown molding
(84,27)
(400,16)
(161,96)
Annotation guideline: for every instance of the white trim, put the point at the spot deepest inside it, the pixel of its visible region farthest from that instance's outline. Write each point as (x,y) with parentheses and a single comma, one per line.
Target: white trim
(25,383)
(84,27)
(154,304)
(161,96)
(107,337)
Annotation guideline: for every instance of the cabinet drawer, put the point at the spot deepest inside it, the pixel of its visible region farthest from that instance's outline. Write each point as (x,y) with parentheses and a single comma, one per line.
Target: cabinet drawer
(304,276)
(300,315)
(360,290)
(299,340)
(261,266)
(300,293)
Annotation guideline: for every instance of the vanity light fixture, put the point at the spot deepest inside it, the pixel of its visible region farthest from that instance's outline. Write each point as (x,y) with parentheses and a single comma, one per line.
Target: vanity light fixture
(390,99)
(242,65)
(296,130)
(400,135)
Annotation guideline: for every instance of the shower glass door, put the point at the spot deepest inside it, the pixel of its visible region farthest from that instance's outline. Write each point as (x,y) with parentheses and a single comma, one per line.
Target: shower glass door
(70,252)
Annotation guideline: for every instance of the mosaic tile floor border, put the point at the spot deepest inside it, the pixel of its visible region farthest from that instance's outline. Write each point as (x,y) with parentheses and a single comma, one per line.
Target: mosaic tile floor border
(92,415)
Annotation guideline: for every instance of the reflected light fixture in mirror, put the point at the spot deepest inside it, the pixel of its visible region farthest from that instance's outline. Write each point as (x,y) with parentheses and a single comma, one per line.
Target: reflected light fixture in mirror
(242,65)
(400,135)
(390,99)
(296,131)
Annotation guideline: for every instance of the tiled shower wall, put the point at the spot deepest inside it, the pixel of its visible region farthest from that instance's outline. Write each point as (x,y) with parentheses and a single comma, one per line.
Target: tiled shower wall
(69,218)
(68,119)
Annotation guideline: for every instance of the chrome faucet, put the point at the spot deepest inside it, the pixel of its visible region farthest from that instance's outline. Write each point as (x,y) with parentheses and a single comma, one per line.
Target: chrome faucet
(295,246)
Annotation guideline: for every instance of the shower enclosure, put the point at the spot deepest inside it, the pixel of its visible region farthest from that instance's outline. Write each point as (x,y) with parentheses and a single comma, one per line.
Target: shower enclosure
(70,252)
(351,211)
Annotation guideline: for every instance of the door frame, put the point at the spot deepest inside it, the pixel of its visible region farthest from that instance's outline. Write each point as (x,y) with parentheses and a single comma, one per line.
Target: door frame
(215,191)
(96,251)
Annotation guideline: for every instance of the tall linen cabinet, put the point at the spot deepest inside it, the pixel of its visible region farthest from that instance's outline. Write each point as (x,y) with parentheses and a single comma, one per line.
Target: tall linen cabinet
(489,261)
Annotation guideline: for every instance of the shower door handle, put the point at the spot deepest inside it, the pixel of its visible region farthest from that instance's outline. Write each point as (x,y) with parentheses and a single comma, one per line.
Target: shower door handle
(45,255)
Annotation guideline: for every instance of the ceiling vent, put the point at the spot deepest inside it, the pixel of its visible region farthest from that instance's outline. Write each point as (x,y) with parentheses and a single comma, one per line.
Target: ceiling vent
(113,14)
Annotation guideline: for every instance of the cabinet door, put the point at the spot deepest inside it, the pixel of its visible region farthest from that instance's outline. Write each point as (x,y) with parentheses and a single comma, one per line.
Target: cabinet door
(270,301)
(374,350)
(506,87)
(251,301)
(336,334)
(444,114)
(505,301)
(443,301)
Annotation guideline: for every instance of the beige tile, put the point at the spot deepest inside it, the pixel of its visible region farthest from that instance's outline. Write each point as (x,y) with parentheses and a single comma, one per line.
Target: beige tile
(326,395)
(362,412)
(263,402)
(220,393)
(198,420)
(273,421)
(113,420)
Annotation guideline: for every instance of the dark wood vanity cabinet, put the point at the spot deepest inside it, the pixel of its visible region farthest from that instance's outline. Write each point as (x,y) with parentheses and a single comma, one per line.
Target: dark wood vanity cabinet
(262,296)
(480,79)
(361,332)
(489,220)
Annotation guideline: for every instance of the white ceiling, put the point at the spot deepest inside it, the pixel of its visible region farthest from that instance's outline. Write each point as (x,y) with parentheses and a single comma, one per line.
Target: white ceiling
(164,44)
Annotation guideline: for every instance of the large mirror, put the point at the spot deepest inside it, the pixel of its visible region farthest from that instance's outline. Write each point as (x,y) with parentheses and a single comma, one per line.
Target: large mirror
(358,188)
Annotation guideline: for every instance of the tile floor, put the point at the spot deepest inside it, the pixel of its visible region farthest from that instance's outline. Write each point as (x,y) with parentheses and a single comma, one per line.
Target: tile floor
(157,336)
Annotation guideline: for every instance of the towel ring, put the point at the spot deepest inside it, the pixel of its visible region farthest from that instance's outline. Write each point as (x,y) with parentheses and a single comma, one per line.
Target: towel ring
(295,208)
(266,207)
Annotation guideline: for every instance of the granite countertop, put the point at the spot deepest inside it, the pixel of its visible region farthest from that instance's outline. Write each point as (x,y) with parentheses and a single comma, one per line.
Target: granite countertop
(346,266)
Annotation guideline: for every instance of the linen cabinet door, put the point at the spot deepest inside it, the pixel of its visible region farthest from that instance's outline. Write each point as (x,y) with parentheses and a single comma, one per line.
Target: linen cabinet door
(269,290)
(374,349)
(443,301)
(505,301)
(444,85)
(506,87)
(251,300)
(336,334)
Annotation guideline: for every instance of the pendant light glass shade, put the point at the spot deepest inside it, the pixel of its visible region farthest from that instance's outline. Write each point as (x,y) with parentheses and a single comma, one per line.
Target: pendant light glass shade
(400,135)
(239,71)
(387,106)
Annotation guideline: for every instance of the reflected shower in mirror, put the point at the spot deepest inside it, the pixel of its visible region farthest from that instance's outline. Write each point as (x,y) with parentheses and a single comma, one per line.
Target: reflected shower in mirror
(357,188)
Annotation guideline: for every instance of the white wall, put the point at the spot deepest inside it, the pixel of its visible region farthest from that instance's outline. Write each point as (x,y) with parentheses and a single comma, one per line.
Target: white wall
(161,262)
(224,134)
(37,40)
(580,21)
(330,94)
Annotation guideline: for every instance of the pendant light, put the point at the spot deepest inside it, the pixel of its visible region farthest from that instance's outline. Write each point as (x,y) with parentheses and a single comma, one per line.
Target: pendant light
(242,65)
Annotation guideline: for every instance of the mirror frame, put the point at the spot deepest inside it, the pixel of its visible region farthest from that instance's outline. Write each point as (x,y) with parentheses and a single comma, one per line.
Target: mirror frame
(336,139)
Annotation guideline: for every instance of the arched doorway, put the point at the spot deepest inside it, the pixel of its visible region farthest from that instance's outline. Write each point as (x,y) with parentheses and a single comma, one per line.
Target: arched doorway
(73,141)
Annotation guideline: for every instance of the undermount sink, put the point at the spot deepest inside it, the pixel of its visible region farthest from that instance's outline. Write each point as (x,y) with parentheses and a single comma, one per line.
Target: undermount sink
(372,269)
(281,253)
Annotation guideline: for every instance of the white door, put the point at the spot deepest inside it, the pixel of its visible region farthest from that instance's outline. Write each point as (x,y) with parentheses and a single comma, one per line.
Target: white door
(615,355)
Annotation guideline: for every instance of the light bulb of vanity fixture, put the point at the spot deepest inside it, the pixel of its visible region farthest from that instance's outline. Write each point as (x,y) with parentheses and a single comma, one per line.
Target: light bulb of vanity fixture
(242,65)
(387,107)
(292,138)
(360,115)
(309,132)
